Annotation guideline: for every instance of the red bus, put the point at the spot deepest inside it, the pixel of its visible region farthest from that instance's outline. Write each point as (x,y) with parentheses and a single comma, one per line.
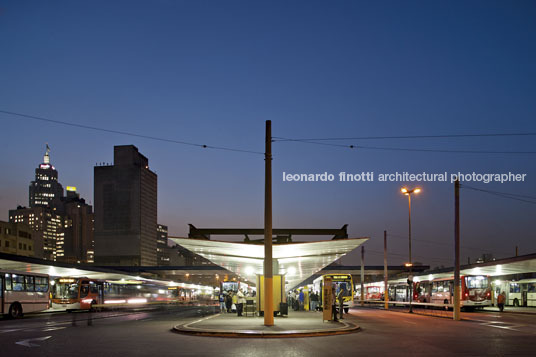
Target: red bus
(84,293)
(475,291)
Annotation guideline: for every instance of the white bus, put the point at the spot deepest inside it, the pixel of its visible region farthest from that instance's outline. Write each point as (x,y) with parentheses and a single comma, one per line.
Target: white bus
(22,292)
(522,293)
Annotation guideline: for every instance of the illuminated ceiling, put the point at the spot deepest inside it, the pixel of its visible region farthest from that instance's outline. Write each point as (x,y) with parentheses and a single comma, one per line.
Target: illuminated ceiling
(297,261)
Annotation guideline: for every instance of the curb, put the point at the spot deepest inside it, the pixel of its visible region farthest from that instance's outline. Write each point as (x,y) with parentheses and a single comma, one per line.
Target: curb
(193,331)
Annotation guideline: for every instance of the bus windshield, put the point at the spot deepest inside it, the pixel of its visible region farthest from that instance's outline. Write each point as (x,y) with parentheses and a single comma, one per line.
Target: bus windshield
(477,282)
(346,285)
(65,291)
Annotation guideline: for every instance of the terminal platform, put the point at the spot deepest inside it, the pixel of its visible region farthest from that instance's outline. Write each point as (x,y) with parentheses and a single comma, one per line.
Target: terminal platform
(296,324)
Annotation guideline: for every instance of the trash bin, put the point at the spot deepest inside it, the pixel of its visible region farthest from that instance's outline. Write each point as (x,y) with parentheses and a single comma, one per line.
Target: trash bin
(283,308)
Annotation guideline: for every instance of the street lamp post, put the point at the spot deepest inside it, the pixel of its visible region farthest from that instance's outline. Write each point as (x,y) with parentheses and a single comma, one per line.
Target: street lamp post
(408,193)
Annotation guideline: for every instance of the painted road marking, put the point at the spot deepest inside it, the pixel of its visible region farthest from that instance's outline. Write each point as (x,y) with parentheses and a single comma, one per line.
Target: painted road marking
(11,330)
(28,342)
(54,328)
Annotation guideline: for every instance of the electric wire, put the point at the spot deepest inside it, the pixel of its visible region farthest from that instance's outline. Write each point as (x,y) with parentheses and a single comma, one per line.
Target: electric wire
(516,197)
(120,132)
(355,146)
(412,137)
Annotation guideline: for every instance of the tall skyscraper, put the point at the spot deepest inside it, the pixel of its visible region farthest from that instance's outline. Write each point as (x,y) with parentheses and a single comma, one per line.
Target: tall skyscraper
(125,198)
(46,188)
(62,226)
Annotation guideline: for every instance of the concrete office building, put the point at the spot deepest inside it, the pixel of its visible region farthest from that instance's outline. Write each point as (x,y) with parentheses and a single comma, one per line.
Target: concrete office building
(78,244)
(16,238)
(125,198)
(47,229)
(162,253)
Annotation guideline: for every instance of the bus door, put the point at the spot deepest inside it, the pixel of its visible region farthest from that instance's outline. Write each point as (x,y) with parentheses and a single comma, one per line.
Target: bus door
(2,292)
(100,286)
(524,298)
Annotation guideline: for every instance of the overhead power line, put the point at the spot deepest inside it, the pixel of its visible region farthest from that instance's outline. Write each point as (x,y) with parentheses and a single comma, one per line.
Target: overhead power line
(412,137)
(512,196)
(355,146)
(120,132)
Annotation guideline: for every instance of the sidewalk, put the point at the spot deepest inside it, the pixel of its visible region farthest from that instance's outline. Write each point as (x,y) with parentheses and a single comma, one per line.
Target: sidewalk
(518,310)
(297,324)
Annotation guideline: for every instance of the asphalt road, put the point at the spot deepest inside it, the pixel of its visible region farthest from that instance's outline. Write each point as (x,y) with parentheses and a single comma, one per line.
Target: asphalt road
(148,333)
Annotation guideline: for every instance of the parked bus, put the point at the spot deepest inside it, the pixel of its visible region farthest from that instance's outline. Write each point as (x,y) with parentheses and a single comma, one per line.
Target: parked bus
(342,281)
(374,292)
(398,292)
(84,293)
(22,292)
(475,291)
(522,293)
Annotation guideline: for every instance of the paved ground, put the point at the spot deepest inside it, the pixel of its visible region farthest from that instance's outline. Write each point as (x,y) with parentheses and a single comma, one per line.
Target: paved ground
(384,333)
(302,323)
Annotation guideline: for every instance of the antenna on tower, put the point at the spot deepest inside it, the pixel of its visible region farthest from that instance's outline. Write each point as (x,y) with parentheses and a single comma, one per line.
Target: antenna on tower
(46,158)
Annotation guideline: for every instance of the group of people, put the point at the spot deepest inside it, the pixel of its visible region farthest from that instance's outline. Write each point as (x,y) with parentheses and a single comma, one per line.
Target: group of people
(296,300)
(231,301)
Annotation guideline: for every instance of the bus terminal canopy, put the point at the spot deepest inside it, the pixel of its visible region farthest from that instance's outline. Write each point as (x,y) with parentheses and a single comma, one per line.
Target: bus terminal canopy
(297,261)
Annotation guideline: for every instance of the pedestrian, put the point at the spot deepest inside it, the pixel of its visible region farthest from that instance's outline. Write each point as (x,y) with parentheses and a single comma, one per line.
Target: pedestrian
(501,299)
(235,302)
(241,300)
(334,302)
(228,301)
(340,297)
(314,301)
(222,302)
(301,298)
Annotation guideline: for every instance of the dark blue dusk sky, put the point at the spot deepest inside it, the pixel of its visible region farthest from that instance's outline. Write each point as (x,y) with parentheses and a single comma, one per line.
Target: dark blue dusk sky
(212,72)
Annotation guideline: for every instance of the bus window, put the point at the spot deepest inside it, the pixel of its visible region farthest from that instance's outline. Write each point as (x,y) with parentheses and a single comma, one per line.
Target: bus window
(532,287)
(476,282)
(8,281)
(41,284)
(66,291)
(17,282)
(93,288)
(84,290)
(29,283)
(434,287)
(514,288)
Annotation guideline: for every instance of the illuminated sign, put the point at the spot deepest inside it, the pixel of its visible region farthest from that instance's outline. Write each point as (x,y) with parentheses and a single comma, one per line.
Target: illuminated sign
(71,188)
(67,280)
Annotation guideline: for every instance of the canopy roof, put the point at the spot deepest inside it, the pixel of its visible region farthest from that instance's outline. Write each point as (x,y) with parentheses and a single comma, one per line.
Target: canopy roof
(16,263)
(297,261)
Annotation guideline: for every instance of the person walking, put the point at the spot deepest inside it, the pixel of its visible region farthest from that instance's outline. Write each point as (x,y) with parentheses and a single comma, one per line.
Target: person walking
(241,300)
(501,299)
(222,302)
(340,297)
(228,301)
(301,298)
(235,302)
(314,301)
(334,302)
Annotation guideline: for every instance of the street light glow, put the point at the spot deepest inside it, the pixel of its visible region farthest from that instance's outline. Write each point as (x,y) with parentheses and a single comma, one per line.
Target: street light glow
(417,190)
(404,190)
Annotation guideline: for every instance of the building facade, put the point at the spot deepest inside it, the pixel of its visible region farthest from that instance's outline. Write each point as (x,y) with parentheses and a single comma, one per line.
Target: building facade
(78,218)
(45,189)
(125,198)
(47,229)
(16,238)
(162,253)
(62,226)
